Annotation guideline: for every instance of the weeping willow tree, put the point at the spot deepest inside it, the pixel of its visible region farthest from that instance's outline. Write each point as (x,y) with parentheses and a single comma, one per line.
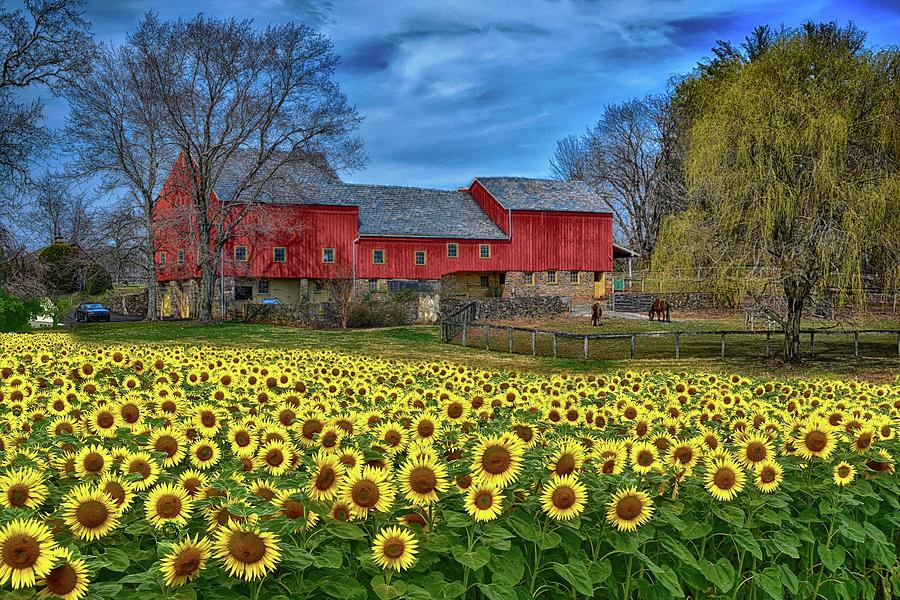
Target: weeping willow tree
(793,169)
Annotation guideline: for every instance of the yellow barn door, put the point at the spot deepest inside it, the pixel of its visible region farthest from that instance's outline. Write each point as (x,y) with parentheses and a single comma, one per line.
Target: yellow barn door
(167,304)
(600,285)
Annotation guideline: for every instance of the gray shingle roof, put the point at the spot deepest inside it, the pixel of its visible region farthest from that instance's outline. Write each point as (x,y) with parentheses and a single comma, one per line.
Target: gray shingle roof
(383,209)
(520,193)
(407,211)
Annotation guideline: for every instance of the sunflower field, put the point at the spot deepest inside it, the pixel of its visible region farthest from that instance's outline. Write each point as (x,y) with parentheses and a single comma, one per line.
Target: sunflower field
(192,472)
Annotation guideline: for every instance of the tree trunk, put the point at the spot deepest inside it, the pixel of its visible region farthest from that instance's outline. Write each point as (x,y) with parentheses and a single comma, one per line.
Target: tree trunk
(795,292)
(152,285)
(207,277)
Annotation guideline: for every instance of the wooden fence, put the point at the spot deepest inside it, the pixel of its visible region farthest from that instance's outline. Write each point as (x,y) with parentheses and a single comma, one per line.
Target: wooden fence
(500,338)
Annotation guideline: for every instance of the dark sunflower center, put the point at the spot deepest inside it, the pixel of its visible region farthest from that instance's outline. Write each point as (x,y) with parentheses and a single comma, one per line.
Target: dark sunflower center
(392,437)
(563,497)
(496,460)
(329,440)
(246,547)
(425,429)
(21,551)
(242,438)
(843,471)
(130,413)
(142,467)
(169,406)
(62,580)
(168,506)
(608,467)
(484,500)
(208,419)
(93,462)
(684,455)
(455,410)
(767,475)
(864,441)
(204,453)
(422,480)
(525,433)
(724,478)
(756,452)
(188,562)
(115,491)
(645,459)
(565,465)
(393,548)
(629,508)
(274,457)
(92,514)
(311,428)
(293,509)
(167,445)
(326,478)
(365,493)
(816,441)
(18,495)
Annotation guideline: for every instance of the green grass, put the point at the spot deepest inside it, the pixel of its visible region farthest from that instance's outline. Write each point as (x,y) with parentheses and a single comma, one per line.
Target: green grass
(423,343)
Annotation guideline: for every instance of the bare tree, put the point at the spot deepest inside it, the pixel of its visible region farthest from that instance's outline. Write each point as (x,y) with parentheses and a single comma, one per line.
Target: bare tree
(116,127)
(341,291)
(46,42)
(247,102)
(121,244)
(57,213)
(633,159)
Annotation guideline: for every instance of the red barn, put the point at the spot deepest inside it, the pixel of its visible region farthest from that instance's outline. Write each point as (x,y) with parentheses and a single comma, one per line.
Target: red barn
(500,236)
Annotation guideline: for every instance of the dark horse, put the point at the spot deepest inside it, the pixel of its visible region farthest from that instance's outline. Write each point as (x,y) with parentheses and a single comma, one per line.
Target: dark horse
(596,314)
(659,309)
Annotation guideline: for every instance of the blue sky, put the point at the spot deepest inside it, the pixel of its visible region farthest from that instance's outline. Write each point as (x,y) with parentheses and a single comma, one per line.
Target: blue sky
(453,90)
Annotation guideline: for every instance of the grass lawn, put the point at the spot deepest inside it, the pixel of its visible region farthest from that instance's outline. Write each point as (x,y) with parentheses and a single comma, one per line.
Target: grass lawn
(423,343)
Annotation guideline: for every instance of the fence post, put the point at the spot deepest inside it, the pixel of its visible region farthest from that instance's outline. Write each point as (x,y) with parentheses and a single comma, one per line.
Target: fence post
(812,343)
(768,343)
(533,342)
(464,333)
(554,345)
(509,336)
(677,345)
(585,347)
(632,347)
(856,344)
(723,345)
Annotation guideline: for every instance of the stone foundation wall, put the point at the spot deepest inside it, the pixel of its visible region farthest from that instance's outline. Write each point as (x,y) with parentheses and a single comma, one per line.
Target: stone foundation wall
(489,309)
(131,305)
(581,290)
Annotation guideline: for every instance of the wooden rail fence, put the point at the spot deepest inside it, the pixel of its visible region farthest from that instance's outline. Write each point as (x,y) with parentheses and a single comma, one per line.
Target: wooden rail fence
(492,337)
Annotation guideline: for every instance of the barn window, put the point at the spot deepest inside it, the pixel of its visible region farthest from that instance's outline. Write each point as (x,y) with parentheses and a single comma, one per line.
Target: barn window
(551,277)
(528,278)
(484,281)
(262,286)
(452,250)
(181,257)
(162,259)
(240,253)
(373,285)
(378,257)
(280,254)
(318,286)
(574,277)
(484,251)
(327,255)
(420,258)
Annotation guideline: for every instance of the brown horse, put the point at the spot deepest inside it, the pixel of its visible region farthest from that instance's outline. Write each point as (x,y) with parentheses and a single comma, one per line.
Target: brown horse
(660,309)
(596,314)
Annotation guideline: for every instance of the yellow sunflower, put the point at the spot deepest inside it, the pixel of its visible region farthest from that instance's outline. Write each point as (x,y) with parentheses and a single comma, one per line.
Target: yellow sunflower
(498,459)
(644,457)
(247,553)
(367,489)
(291,507)
(167,503)
(90,512)
(120,491)
(844,473)
(274,457)
(92,460)
(185,560)
(567,459)
(68,581)
(484,501)
(394,548)
(628,509)
(753,450)
(724,479)
(27,552)
(816,440)
(141,470)
(767,476)
(422,479)
(563,498)
(171,443)
(22,488)
(205,454)
(326,479)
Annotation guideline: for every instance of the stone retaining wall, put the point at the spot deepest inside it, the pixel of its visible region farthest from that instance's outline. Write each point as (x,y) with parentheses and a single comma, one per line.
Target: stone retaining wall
(132,305)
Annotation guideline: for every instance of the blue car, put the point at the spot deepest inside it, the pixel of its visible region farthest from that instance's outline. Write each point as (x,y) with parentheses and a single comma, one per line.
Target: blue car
(271,301)
(91,312)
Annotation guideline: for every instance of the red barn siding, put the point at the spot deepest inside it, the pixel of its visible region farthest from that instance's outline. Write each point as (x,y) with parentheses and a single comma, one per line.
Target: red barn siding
(489,204)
